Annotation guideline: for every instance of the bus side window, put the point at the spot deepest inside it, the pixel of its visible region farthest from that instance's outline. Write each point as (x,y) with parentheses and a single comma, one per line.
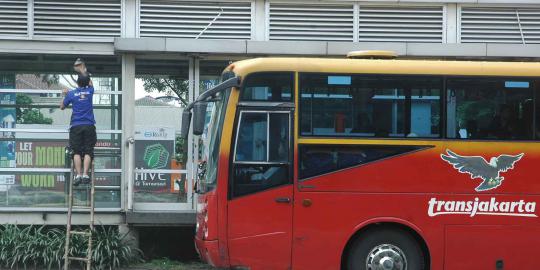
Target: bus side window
(490,108)
(261,157)
(268,86)
(316,160)
(342,105)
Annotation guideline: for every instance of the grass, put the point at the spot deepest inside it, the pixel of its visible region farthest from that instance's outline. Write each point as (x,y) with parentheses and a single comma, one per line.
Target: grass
(167,264)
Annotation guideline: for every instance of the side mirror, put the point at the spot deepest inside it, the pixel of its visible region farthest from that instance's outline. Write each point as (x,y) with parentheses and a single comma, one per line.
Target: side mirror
(186,120)
(199,117)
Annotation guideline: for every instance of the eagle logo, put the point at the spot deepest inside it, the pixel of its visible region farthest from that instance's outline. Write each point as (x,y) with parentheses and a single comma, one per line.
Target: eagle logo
(478,167)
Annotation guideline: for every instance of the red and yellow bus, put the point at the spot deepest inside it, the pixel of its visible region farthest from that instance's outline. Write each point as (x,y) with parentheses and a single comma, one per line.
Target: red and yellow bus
(317,163)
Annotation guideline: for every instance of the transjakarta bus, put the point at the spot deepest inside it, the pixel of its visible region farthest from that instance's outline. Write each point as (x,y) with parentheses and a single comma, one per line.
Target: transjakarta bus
(370,164)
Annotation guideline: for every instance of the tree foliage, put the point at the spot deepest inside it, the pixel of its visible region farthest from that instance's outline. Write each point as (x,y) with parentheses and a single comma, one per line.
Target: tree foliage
(170,86)
(27,115)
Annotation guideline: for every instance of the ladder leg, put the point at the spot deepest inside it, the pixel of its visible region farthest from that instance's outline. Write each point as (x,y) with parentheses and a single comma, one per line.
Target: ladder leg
(90,232)
(92,202)
(70,206)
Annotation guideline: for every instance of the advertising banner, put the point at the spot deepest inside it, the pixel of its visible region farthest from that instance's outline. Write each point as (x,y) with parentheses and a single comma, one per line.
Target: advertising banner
(7,120)
(41,154)
(49,154)
(154,148)
(8,115)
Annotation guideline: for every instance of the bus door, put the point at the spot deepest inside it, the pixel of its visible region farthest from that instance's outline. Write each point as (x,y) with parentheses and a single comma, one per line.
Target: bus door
(260,189)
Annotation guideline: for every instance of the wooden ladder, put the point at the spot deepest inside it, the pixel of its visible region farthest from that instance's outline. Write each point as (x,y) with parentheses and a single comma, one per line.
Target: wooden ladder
(90,190)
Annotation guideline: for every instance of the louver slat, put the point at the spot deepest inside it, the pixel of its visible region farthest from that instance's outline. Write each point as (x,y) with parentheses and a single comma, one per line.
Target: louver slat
(99,19)
(500,25)
(227,20)
(401,24)
(13,17)
(311,22)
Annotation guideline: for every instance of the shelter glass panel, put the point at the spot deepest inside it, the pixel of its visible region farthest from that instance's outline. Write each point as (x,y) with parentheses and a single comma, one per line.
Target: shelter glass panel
(161,92)
(34,166)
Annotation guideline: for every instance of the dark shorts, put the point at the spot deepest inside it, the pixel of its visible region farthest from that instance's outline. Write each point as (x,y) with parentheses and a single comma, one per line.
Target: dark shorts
(82,140)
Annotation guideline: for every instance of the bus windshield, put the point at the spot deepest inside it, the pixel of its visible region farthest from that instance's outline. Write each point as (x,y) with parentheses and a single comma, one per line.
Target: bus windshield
(217,108)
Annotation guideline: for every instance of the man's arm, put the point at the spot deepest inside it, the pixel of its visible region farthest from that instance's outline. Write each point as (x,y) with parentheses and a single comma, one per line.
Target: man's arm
(63,102)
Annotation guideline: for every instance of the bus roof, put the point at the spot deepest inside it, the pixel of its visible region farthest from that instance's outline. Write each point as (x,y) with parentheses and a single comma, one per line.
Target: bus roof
(380,66)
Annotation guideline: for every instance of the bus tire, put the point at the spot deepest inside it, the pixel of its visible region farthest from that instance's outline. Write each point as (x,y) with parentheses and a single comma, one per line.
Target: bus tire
(372,248)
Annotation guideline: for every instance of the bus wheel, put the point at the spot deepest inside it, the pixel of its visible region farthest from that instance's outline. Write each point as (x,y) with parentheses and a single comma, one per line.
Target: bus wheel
(385,249)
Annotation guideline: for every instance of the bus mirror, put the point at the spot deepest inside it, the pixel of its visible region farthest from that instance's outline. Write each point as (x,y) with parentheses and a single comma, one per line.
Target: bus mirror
(186,119)
(199,117)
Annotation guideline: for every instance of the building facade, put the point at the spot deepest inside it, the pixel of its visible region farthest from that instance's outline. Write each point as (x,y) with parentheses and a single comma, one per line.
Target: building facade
(173,50)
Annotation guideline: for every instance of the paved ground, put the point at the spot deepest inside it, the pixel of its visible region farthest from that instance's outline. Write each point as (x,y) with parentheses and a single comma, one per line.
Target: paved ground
(170,265)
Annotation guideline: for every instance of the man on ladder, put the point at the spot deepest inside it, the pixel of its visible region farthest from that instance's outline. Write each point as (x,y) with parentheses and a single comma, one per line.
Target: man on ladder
(82,140)
(82,132)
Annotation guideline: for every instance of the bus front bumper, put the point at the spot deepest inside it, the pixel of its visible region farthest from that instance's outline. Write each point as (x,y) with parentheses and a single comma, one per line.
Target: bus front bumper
(209,252)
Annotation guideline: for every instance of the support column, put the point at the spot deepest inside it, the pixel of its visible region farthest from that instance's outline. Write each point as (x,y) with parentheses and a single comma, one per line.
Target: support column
(128,129)
(258,20)
(132,235)
(130,18)
(451,23)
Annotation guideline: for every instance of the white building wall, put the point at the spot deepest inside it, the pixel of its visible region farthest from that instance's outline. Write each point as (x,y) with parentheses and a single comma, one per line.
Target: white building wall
(158,116)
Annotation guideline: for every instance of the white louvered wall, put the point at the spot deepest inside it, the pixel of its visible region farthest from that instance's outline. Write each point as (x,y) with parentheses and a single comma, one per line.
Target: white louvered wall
(500,25)
(285,20)
(200,20)
(13,17)
(311,22)
(401,24)
(98,18)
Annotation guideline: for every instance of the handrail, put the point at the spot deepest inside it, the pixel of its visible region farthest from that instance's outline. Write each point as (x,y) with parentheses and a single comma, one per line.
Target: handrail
(50,91)
(56,130)
(53,170)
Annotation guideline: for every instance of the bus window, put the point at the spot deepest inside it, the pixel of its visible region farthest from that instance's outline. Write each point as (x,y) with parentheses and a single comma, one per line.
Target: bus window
(370,106)
(268,86)
(261,158)
(315,160)
(490,108)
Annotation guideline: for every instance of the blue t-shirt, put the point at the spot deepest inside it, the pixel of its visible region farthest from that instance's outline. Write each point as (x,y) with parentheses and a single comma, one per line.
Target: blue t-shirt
(83,111)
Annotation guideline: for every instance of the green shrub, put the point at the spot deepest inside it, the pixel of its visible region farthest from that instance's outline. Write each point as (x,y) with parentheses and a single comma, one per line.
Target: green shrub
(39,247)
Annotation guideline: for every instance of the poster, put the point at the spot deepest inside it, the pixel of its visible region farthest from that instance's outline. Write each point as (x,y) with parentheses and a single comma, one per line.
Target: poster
(40,154)
(8,119)
(8,115)
(6,181)
(52,154)
(7,154)
(154,148)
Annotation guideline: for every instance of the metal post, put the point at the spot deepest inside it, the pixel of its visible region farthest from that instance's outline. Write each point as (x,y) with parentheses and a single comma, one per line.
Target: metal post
(128,128)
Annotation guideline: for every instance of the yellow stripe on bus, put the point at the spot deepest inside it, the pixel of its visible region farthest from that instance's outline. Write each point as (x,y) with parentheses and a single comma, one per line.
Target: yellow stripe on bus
(402,67)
